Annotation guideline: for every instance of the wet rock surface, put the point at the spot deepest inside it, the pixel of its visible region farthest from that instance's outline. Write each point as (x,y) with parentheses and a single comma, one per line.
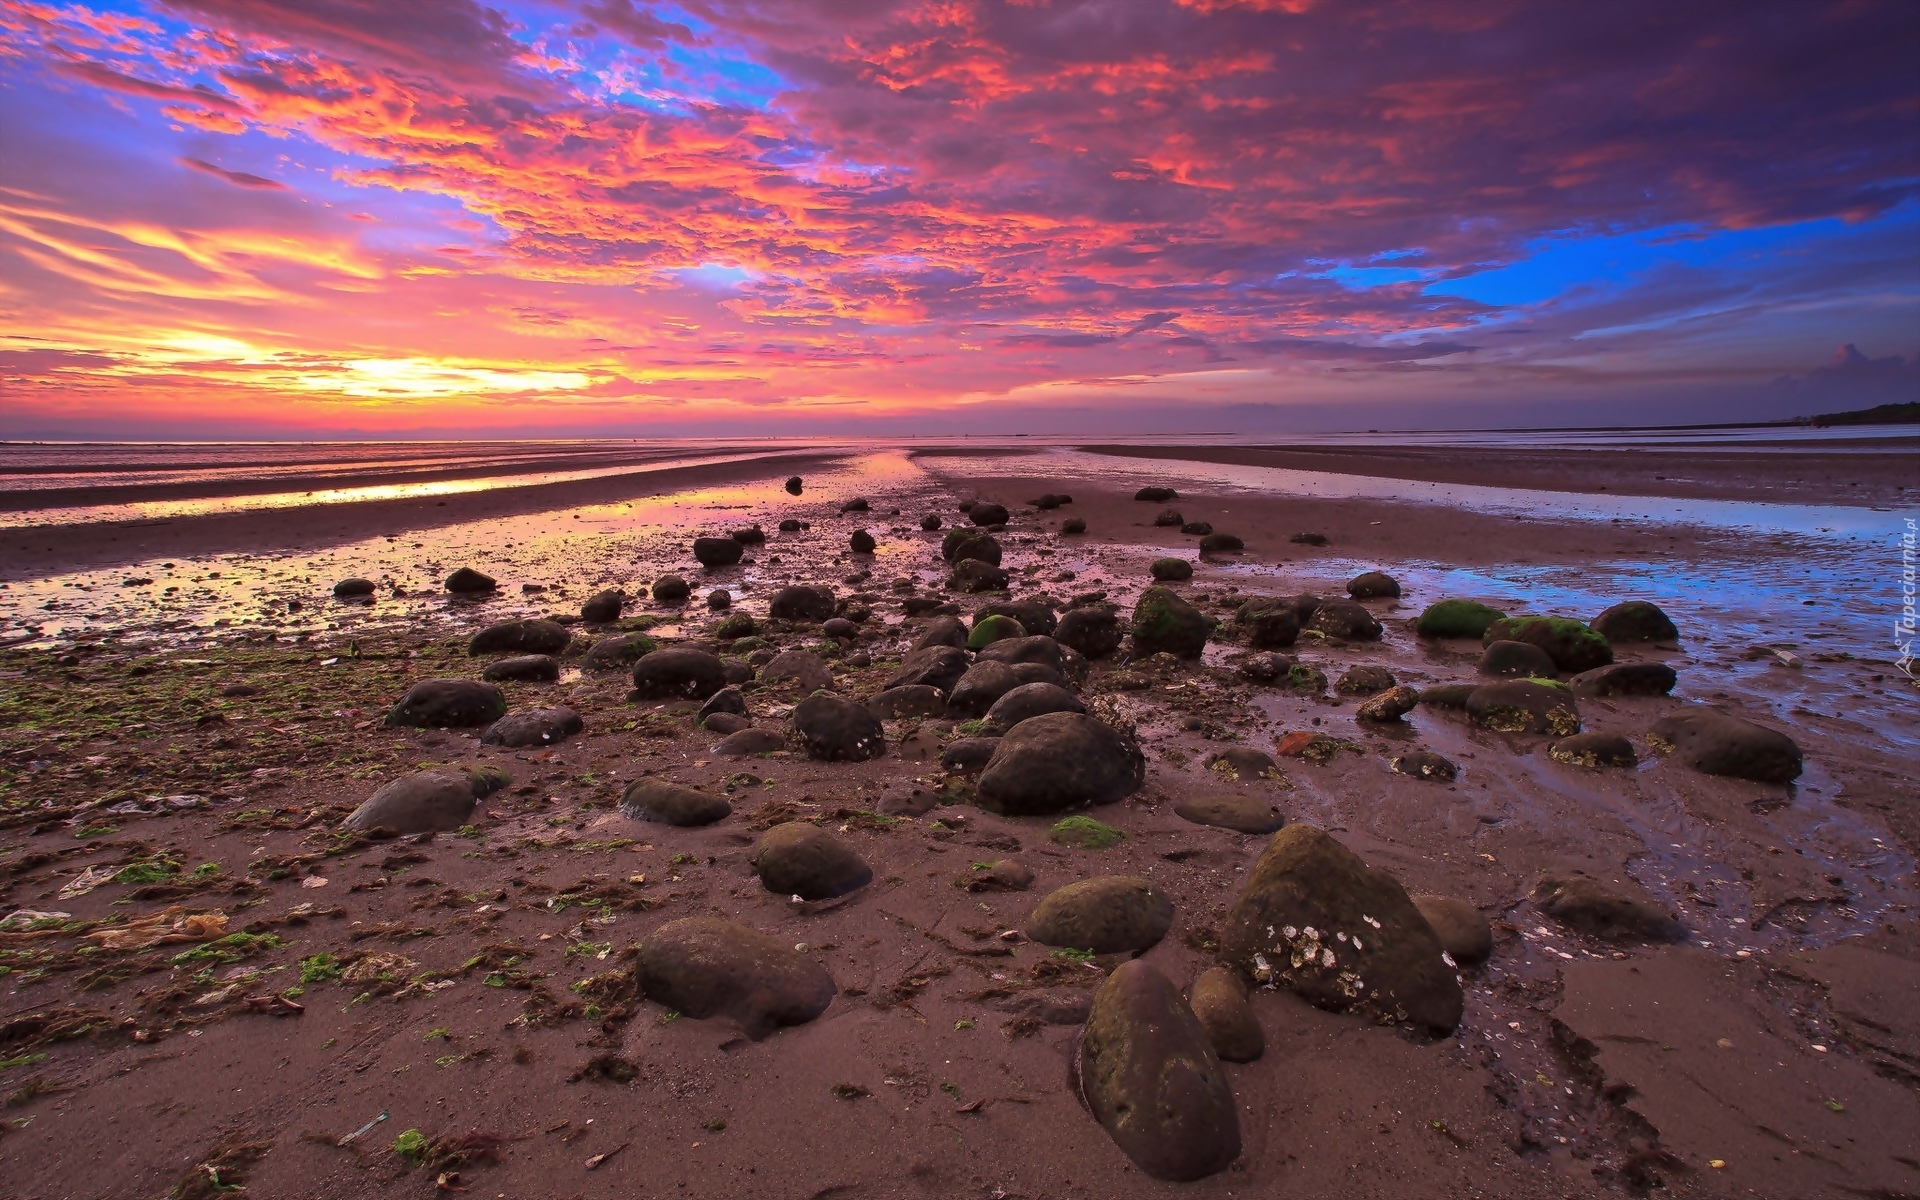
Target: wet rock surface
(1616,910)
(1164,623)
(449,703)
(520,637)
(802,860)
(678,673)
(1524,706)
(437,800)
(525,668)
(1219,999)
(533,727)
(835,729)
(1112,914)
(1059,761)
(1718,743)
(707,967)
(671,803)
(1242,814)
(1462,930)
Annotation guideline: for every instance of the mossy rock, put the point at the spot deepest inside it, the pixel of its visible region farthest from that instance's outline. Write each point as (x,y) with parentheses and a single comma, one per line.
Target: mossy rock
(1636,621)
(1086,834)
(737,625)
(1572,645)
(1162,621)
(989,630)
(1172,570)
(1456,618)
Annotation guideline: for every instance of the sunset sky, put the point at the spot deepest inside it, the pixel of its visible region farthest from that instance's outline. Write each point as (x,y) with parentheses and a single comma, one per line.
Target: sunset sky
(237,218)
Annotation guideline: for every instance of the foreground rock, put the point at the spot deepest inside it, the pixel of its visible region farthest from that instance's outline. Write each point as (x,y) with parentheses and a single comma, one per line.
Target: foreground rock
(1635,621)
(526,668)
(1034,616)
(468,582)
(1425,764)
(433,801)
(1219,999)
(672,803)
(971,575)
(1271,623)
(534,727)
(1059,761)
(603,606)
(982,686)
(1456,619)
(1162,621)
(1522,660)
(1625,679)
(1594,750)
(617,653)
(802,667)
(1462,930)
(801,603)
(1618,912)
(1151,1078)
(678,673)
(1110,914)
(1031,700)
(1316,919)
(1388,706)
(1716,743)
(935,666)
(1171,570)
(835,729)
(670,589)
(1373,585)
(745,743)
(800,859)
(1242,814)
(911,700)
(1345,619)
(520,637)
(449,703)
(707,967)
(1094,630)
(1524,706)
(1571,645)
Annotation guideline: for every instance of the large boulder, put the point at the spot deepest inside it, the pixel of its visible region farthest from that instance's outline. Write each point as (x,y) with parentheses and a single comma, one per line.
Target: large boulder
(1171,570)
(1571,644)
(1059,761)
(1031,700)
(1109,914)
(712,552)
(679,673)
(1094,630)
(1373,585)
(670,589)
(1316,919)
(525,668)
(971,575)
(799,602)
(1033,615)
(449,703)
(707,967)
(988,514)
(617,653)
(1635,621)
(1036,648)
(1271,623)
(1717,743)
(912,700)
(943,631)
(982,685)
(1522,660)
(988,630)
(801,667)
(1221,543)
(520,637)
(835,729)
(533,727)
(603,606)
(1456,619)
(1594,749)
(468,582)
(1151,1077)
(800,859)
(1348,620)
(1162,621)
(437,800)
(939,666)
(1625,679)
(1617,911)
(1219,999)
(655,799)
(962,543)
(1524,706)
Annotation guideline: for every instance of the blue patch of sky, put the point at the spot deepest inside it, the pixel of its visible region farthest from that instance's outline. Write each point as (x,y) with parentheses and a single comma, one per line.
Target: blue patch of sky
(669,78)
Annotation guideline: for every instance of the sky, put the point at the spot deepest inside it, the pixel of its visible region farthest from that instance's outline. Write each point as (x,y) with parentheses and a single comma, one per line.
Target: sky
(390,218)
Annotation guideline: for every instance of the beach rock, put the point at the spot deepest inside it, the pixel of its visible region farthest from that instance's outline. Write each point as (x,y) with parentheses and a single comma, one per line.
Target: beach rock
(1345,619)
(907,799)
(707,967)
(468,582)
(726,700)
(793,485)
(1316,919)
(1619,912)
(736,625)
(678,673)
(1221,543)
(968,756)
(1049,501)
(617,653)
(670,589)
(725,722)
(533,727)
(1308,539)
(840,629)
(1031,700)
(1156,495)
(1364,681)
(669,803)
(1456,619)
(1303,677)
(988,514)
(1092,630)
(1162,621)
(1594,750)
(799,602)
(802,667)
(800,859)
(1218,997)
(913,700)
(1524,706)
(1390,705)
(1717,743)
(1242,814)
(1171,570)
(752,535)
(349,588)
(437,800)
(1073,525)
(963,543)
(1109,914)
(746,743)
(835,729)
(1169,518)
(1265,667)
(1244,762)
(527,668)
(1571,645)
(984,683)
(520,637)
(1034,616)
(1625,679)
(1635,621)
(861,542)
(1522,660)
(791,525)
(942,631)
(1425,764)
(603,607)
(1034,648)
(1197,528)
(972,575)
(1007,875)
(712,552)
(1051,763)
(938,666)
(1152,1079)
(449,703)
(1373,585)
(1271,624)
(857,504)
(1463,932)
(1449,695)
(1304,606)
(988,630)
(930,522)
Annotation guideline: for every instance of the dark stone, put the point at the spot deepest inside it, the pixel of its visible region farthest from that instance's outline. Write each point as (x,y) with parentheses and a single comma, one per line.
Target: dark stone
(1463,932)
(1265,667)
(1007,875)
(962,543)
(1625,679)
(1373,585)
(1270,624)
(1197,528)
(791,525)
(1716,743)
(1244,762)
(982,685)
(1033,615)
(1037,648)
(972,575)
(752,535)
(1388,706)
(1110,914)
(725,723)
(1162,621)
(861,542)
(468,582)
(438,800)
(448,703)
(930,522)
(671,589)
(800,859)
(1304,892)
(528,668)
(799,602)
(802,667)
(1169,518)
(942,631)
(1425,764)
(1221,543)
(1635,621)
(1571,645)
(920,606)
(857,504)
(603,607)
(736,625)
(988,514)
(671,803)
(1049,501)
(738,671)
(726,700)
(1031,700)
(746,743)
(914,801)
(1242,814)
(839,628)
(713,552)
(1523,706)
(708,967)
(1345,619)
(353,587)
(520,637)
(1171,570)
(1156,495)
(1594,750)
(1152,1079)
(1219,1001)
(1364,681)
(719,600)
(617,653)
(1073,525)
(967,756)
(534,727)
(1517,659)
(939,666)
(679,673)
(912,700)
(1094,630)
(1059,761)
(1449,695)
(1619,912)
(836,729)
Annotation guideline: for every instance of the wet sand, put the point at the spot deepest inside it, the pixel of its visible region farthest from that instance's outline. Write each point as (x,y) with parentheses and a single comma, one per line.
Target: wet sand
(1778,1041)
